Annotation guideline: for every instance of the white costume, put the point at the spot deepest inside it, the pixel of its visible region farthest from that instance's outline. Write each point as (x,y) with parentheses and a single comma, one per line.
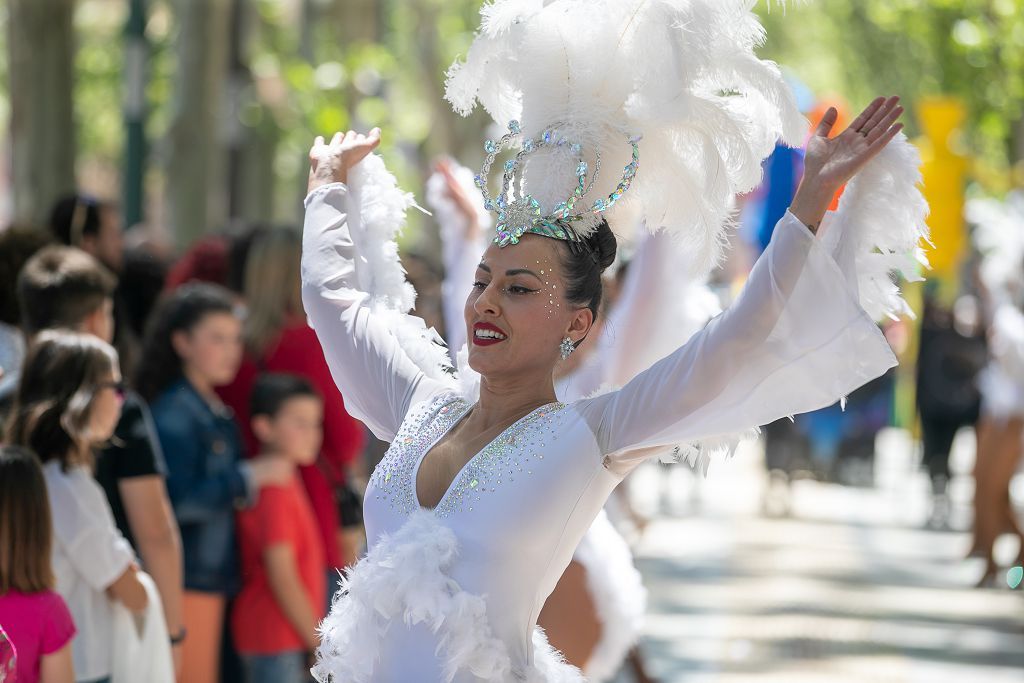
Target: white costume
(659,309)
(456,591)
(453,593)
(999,237)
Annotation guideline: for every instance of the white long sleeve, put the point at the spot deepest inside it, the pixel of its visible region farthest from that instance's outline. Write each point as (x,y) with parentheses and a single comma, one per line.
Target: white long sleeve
(369,363)
(661,306)
(795,340)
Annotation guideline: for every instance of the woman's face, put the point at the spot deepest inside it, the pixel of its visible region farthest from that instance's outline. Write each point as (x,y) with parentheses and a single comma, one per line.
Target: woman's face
(105,408)
(517,313)
(212,349)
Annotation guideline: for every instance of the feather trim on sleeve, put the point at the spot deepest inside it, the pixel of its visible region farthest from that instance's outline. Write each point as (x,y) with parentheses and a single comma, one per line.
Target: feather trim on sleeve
(379,217)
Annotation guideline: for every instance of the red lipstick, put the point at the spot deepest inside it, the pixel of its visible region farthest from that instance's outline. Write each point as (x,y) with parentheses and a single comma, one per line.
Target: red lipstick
(486,334)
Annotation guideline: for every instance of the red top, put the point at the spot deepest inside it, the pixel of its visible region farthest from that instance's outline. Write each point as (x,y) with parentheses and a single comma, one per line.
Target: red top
(298,351)
(37,624)
(281,515)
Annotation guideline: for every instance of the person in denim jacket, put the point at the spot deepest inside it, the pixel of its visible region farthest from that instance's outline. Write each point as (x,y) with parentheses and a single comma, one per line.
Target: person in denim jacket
(193,345)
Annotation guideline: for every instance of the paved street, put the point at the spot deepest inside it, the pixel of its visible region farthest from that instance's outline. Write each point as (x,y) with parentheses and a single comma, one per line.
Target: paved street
(848,587)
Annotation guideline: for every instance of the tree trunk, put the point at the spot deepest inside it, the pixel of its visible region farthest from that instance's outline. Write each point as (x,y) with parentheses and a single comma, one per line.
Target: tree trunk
(196,156)
(136,59)
(256,181)
(358,21)
(254,133)
(40,41)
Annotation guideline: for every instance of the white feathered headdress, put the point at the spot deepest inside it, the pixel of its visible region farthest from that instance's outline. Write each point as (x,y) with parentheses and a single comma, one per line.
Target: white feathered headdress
(680,73)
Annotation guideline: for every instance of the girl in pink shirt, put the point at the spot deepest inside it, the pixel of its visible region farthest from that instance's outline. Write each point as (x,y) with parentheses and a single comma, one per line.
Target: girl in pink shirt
(34,616)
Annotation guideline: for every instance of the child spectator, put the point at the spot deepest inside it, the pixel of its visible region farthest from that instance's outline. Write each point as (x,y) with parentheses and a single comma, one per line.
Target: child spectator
(62,287)
(69,401)
(283,565)
(193,345)
(37,622)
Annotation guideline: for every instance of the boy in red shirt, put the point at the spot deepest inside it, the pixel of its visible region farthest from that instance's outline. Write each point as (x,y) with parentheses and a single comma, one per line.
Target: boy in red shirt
(282,599)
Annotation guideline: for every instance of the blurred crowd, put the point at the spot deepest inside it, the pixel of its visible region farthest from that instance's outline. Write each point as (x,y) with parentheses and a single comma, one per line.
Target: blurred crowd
(168,482)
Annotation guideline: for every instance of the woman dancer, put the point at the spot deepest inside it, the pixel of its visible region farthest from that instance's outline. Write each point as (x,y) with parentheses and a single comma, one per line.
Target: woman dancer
(476,509)
(595,611)
(1001,427)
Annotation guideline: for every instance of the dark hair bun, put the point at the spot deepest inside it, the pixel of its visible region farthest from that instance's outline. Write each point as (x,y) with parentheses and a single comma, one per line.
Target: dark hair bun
(584,262)
(603,244)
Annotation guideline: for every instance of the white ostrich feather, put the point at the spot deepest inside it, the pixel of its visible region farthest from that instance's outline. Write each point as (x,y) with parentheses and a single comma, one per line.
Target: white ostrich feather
(681,73)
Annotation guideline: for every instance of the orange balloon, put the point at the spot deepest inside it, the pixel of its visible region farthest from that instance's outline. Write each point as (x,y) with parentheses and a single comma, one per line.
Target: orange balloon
(817,113)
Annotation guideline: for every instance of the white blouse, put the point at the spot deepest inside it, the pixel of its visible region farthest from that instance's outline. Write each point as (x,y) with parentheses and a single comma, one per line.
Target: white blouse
(454,593)
(89,555)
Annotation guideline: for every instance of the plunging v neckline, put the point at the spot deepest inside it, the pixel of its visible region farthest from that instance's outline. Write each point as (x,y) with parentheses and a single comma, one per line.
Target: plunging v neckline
(458,475)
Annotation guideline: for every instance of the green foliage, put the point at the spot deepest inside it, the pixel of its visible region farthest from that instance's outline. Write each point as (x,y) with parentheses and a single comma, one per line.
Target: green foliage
(360,63)
(363,64)
(98,77)
(973,49)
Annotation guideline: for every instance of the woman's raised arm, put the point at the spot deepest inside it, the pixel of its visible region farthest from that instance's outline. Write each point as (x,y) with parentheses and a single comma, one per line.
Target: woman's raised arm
(797,338)
(367,339)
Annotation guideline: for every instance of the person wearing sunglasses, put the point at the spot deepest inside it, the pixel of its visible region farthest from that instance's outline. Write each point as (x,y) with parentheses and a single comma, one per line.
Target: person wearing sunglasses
(68,402)
(64,287)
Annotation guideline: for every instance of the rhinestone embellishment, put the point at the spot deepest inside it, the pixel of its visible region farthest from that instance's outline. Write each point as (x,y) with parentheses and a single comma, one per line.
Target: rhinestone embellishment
(524,215)
(511,454)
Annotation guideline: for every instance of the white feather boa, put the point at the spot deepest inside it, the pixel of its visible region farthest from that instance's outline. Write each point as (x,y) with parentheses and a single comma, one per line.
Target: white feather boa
(376,219)
(881,220)
(403,579)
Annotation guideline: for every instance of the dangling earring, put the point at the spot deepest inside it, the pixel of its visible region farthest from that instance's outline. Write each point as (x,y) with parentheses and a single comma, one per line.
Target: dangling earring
(566,347)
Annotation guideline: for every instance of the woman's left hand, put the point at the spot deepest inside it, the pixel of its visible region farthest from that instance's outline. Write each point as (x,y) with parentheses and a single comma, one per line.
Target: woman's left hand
(831,162)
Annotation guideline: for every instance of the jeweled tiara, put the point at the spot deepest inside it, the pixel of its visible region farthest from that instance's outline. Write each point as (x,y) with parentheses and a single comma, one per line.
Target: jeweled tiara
(523,214)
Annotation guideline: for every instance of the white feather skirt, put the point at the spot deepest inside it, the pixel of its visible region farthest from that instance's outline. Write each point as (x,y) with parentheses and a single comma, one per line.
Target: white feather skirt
(619,595)
(402,585)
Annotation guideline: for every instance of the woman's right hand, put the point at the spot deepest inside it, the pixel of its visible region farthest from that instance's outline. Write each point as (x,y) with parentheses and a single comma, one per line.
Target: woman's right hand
(270,471)
(329,162)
